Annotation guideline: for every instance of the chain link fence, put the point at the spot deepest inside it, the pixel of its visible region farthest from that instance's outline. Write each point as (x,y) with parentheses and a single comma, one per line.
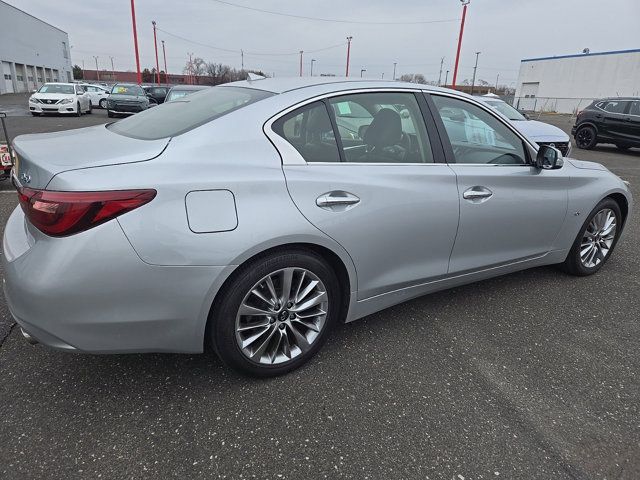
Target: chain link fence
(565,105)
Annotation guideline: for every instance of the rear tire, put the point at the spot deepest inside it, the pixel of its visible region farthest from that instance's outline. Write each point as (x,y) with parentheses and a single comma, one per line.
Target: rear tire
(577,262)
(586,137)
(289,332)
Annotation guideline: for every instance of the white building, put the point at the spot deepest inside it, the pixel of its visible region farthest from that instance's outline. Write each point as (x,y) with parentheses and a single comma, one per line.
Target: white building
(568,83)
(32,52)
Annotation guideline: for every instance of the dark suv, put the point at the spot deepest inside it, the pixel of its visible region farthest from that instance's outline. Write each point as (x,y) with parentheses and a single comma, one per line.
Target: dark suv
(611,120)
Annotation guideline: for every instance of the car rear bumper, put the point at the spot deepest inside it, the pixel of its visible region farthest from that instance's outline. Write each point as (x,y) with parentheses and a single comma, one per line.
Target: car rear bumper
(90,292)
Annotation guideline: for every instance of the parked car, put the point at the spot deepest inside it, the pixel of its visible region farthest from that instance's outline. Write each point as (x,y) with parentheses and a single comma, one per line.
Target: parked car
(180,91)
(239,217)
(64,98)
(6,162)
(97,94)
(127,99)
(610,120)
(540,132)
(157,93)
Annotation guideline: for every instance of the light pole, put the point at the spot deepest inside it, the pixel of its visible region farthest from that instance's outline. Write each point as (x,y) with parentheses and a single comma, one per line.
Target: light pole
(301,53)
(348,53)
(113,73)
(395,64)
(440,76)
(497,80)
(446,78)
(166,73)
(97,71)
(312,62)
(135,40)
(155,44)
(473,82)
(465,4)
(362,70)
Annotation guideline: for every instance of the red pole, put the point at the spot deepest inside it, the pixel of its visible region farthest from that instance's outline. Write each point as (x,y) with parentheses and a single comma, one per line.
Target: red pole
(301,52)
(455,70)
(166,73)
(135,39)
(155,43)
(348,53)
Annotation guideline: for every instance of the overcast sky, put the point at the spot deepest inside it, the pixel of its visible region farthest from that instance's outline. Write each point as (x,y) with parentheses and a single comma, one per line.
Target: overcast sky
(505,31)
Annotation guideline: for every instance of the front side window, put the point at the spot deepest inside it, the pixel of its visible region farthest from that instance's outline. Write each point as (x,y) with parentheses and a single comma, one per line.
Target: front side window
(309,130)
(635,108)
(476,136)
(384,127)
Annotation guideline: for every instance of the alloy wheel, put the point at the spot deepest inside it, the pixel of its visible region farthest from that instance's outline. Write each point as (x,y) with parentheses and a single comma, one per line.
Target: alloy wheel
(598,238)
(584,137)
(281,316)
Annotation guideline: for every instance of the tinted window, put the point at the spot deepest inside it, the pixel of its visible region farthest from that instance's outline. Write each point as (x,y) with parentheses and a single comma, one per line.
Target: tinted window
(615,107)
(309,130)
(635,108)
(180,116)
(381,128)
(477,136)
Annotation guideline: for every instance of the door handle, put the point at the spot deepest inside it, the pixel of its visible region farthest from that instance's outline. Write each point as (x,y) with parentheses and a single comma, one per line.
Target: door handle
(477,194)
(337,201)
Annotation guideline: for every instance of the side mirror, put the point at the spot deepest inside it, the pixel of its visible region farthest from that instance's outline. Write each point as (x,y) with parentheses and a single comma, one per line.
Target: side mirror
(549,158)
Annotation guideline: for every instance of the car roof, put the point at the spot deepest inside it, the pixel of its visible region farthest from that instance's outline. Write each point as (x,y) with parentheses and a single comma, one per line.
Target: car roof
(287,84)
(614,99)
(60,83)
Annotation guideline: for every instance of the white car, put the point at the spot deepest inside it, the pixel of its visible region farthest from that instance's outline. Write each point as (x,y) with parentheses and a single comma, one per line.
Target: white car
(97,94)
(540,132)
(65,98)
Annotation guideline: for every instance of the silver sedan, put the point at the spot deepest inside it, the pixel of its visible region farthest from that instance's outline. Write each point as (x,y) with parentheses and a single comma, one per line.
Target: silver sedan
(252,217)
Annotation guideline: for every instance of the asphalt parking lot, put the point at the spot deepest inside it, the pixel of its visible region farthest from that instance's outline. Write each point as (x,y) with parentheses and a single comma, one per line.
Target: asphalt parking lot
(527,376)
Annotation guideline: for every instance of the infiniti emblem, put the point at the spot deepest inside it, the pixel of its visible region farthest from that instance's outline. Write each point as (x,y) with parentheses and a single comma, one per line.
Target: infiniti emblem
(25,177)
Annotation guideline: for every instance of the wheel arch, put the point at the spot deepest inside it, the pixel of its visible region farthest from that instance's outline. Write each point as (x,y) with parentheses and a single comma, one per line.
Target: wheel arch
(623,203)
(587,123)
(342,267)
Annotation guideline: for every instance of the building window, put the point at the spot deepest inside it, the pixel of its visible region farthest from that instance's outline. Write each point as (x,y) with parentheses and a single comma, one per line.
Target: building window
(7,76)
(20,78)
(65,53)
(30,78)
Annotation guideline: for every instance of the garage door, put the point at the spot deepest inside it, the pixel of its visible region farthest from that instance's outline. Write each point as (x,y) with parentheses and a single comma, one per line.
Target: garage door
(6,77)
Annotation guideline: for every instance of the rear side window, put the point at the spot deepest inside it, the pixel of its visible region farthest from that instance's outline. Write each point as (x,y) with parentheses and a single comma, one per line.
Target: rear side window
(635,108)
(309,130)
(615,107)
(180,116)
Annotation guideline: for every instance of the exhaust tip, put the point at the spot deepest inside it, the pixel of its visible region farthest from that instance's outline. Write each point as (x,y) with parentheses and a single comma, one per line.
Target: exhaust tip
(28,337)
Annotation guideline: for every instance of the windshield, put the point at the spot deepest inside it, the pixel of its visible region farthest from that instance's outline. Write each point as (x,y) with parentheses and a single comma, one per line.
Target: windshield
(177,117)
(64,89)
(505,109)
(127,90)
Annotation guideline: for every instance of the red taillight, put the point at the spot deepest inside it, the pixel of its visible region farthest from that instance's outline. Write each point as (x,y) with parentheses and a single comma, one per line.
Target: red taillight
(64,213)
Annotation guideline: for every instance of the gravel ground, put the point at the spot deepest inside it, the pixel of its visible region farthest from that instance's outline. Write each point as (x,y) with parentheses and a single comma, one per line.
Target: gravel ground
(532,375)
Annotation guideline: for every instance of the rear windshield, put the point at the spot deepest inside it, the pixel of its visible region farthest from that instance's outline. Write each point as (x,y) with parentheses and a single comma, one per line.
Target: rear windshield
(179,116)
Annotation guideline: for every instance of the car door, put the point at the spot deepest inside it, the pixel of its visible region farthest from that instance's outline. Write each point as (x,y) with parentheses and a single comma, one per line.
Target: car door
(83,98)
(509,210)
(632,124)
(381,189)
(614,124)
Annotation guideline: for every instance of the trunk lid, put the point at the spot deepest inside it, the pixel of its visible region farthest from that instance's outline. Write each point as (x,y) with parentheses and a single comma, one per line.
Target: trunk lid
(44,155)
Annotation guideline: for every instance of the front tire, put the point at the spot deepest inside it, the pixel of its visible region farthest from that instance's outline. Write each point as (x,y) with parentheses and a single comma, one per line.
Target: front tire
(110,114)
(586,137)
(103,103)
(623,148)
(596,240)
(78,110)
(275,313)
(89,110)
